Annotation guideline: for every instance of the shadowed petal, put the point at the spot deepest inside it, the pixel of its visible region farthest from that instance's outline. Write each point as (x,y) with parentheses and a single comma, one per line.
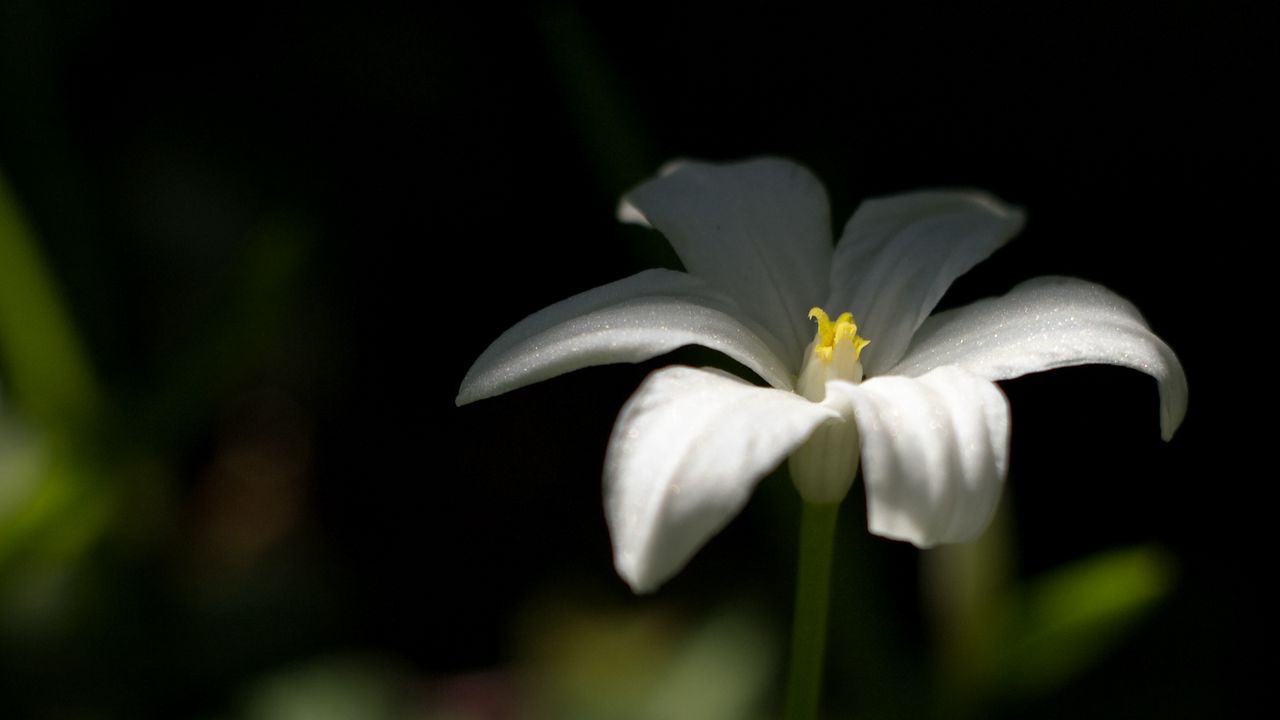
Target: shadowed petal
(631,320)
(758,230)
(685,455)
(1047,323)
(935,451)
(899,254)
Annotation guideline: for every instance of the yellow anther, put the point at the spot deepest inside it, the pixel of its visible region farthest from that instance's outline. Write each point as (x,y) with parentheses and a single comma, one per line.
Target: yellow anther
(831,334)
(826,333)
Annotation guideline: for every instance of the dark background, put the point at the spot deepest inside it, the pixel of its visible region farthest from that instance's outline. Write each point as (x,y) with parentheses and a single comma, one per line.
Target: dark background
(285,232)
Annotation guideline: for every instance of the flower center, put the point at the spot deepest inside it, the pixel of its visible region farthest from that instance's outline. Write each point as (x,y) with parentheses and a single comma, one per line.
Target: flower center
(833,354)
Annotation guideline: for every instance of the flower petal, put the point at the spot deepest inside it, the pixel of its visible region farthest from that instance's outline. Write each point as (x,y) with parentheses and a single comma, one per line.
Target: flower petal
(899,254)
(1048,323)
(935,451)
(686,452)
(631,320)
(758,230)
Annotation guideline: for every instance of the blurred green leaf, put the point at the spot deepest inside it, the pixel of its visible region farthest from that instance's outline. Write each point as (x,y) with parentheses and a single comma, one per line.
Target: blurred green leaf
(52,507)
(40,354)
(338,689)
(1063,622)
(51,515)
(648,664)
(724,670)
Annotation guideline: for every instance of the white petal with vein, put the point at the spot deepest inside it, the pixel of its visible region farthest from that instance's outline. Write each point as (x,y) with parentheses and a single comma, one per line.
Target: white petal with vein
(1048,323)
(631,320)
(758,230)
(686,452)
(935,452)
(899,254)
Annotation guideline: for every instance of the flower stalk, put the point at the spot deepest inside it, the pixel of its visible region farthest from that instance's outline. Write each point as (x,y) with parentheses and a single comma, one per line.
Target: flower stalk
(813,598)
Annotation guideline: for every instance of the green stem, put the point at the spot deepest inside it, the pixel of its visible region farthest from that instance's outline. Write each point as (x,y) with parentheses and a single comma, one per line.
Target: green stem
(809,627)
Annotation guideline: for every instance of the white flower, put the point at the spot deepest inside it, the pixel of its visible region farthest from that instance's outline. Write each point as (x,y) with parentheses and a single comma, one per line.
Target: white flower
(931,427)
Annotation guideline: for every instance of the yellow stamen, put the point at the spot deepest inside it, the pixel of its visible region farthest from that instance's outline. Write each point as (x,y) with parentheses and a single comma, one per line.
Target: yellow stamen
(830,334)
